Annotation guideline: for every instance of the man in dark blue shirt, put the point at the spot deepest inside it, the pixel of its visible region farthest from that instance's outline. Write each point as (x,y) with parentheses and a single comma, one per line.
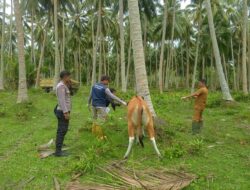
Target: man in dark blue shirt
(98,98)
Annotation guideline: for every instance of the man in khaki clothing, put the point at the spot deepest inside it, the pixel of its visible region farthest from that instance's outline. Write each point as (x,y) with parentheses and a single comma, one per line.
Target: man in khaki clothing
(199,106)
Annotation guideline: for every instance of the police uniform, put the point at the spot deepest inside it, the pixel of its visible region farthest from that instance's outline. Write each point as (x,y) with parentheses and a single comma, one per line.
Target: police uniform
(64,106)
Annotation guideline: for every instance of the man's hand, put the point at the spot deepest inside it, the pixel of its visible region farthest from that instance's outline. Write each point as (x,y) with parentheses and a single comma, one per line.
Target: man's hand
(124,103)
(67,116)
(183,98)
(89,107)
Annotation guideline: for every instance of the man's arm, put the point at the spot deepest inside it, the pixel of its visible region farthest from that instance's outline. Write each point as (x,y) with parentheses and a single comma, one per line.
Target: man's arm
(113,97)
(195,95)
(90,100)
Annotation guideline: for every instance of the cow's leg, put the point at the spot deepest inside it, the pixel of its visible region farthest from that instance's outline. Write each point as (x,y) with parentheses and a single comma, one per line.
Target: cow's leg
(155,146)
(151,133)
(131,139)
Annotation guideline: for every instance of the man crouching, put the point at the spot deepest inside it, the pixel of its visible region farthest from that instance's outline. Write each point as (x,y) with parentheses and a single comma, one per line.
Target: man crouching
(100,97)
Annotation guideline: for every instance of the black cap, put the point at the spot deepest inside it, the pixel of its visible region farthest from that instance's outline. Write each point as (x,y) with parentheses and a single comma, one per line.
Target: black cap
(203,81)
(104,77)
(64,74)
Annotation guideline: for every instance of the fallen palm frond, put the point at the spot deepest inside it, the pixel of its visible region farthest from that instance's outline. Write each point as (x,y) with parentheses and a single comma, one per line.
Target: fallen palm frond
(25,182)
(45,150)
(152,179)
(48,152)
(56,183)
(45,146)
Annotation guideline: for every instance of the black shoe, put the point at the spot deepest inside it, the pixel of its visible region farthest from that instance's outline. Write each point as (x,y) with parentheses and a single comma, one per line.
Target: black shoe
(61,154)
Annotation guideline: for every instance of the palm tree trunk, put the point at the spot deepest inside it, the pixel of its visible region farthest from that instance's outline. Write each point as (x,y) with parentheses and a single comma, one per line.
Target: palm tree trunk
(32,38)
(108,61)
(117,76)
(156,67)
(203,68)
(223,83)
(100,59)
(40,62)
(248,52)
(76,68)
(212,81)
(57,56)
(104,58)
(63,44)
(122,54)
(244,48)
(195,64)
(170,57)
(238,69)
(196,53)
(164,26)
(145,34)
(95,41)
(187,66)
(139,59)
(11,31)
(129,62)
(2,49)
(233,62)
(22,85)
(225,67)
(182,65)
(79,64)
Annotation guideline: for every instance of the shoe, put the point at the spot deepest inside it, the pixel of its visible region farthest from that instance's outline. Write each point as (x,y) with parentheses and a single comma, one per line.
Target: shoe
(61,154)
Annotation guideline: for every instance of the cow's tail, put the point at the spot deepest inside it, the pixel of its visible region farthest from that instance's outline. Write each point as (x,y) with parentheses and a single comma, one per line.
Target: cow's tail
(139,127)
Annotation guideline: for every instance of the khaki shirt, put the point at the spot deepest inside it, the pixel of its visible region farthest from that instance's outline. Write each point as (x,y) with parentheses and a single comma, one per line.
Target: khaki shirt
(201,99)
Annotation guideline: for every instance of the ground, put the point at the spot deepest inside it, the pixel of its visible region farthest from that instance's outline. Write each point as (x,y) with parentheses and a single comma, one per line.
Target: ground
(220,157)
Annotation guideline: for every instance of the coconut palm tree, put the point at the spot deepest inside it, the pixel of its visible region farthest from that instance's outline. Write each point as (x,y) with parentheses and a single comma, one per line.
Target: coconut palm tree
(41,33)
(198,17)
(164,26)
(57,56)
(122,53)
(22,85)
(244,48)
(2,49)
(31,8)
(139,59)
(223,83)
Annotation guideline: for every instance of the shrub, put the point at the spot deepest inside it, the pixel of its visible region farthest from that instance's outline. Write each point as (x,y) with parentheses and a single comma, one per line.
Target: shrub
(175,151)
(22,110)
(196,147)
(240,97)
(88,161)
(2,111)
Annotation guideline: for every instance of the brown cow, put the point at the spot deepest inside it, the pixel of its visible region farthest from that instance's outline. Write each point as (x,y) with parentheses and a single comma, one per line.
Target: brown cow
(139,115)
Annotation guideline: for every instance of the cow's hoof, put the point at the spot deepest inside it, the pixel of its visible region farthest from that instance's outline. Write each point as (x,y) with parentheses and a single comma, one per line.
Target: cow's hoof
(125,157)
(160,157)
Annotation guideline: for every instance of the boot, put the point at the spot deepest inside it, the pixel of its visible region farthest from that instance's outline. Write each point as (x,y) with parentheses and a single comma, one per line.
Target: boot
(195,127)
(201,125)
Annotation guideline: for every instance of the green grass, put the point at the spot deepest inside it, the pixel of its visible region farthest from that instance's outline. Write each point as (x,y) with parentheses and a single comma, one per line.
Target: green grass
(220,157)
